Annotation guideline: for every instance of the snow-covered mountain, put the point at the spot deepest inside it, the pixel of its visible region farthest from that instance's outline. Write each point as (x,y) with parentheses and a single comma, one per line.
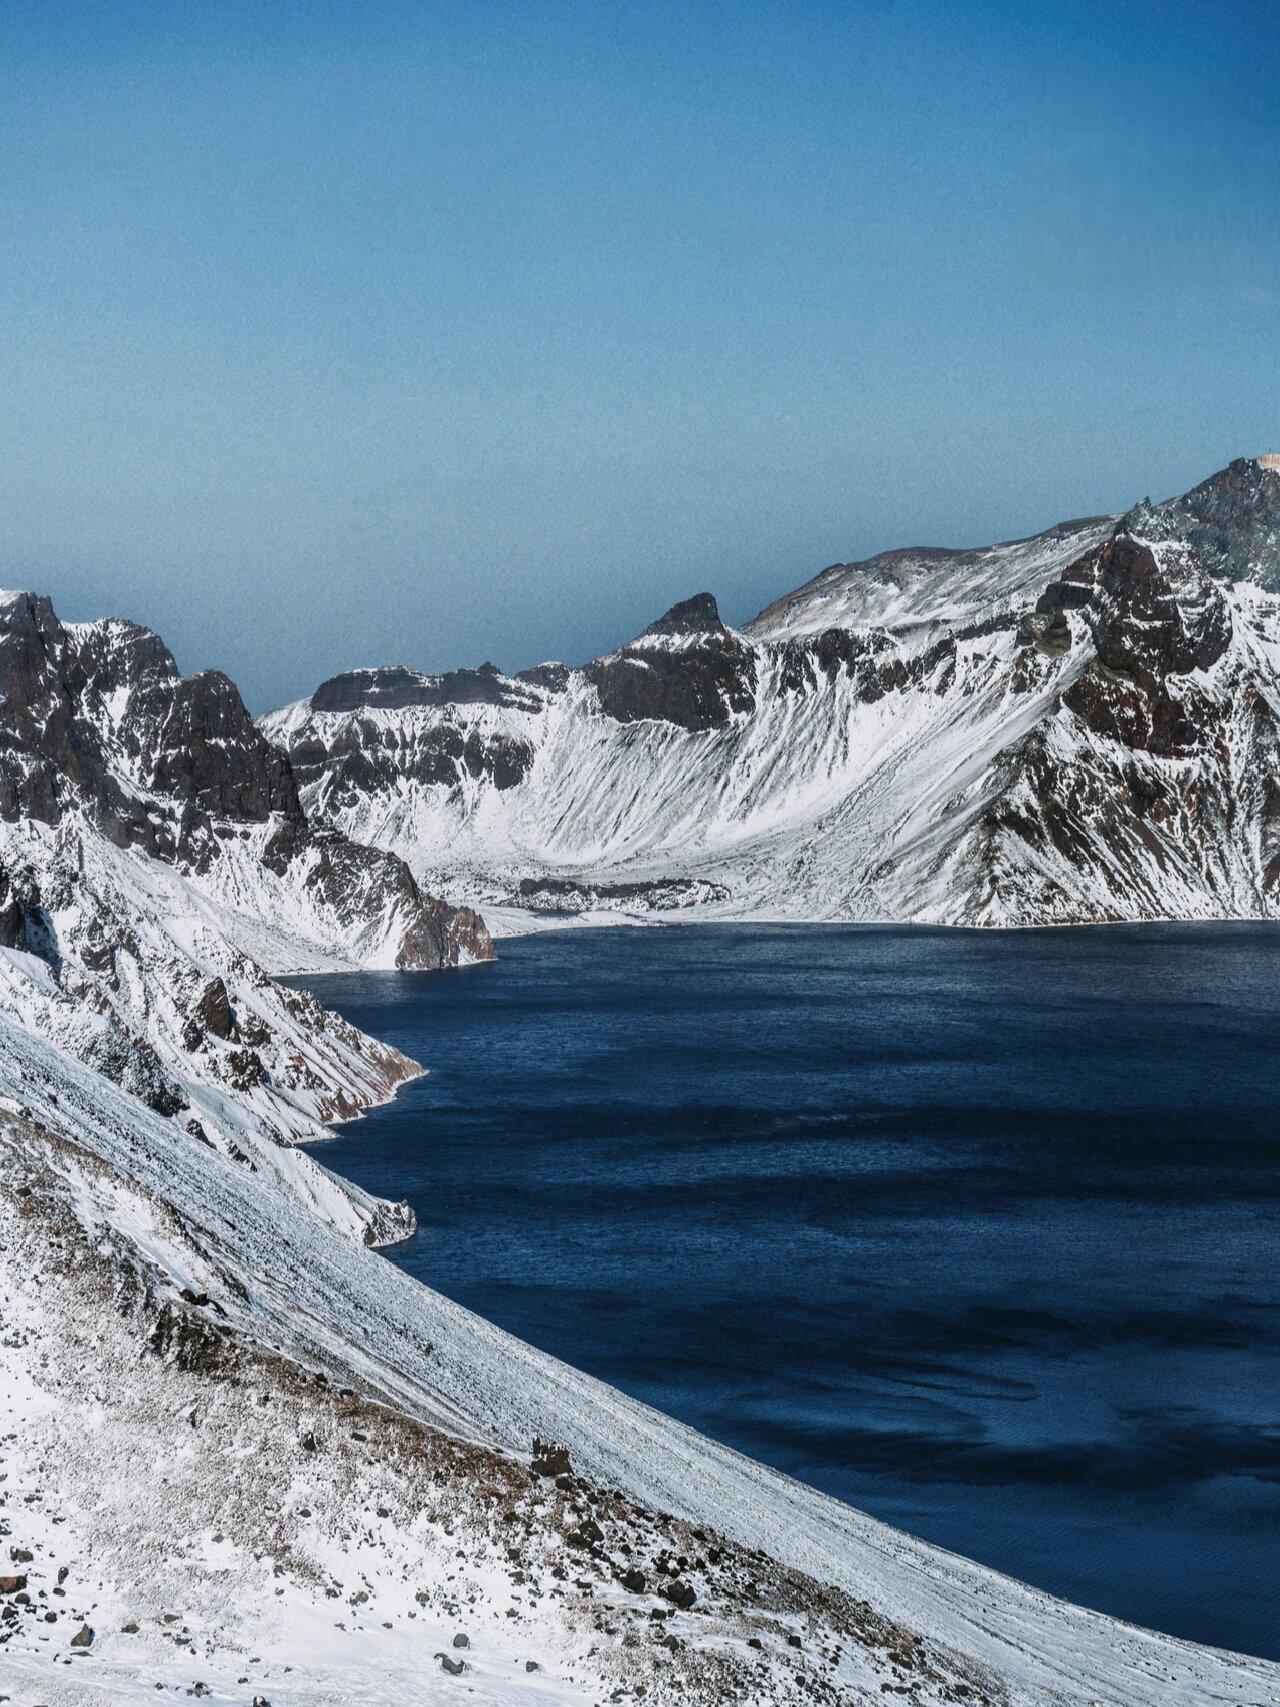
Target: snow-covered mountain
(1077,726)
(98,725)
(155,868)
(242,1457)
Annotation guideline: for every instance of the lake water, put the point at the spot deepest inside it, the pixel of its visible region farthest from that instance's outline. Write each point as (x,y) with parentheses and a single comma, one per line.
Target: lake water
(977,1231)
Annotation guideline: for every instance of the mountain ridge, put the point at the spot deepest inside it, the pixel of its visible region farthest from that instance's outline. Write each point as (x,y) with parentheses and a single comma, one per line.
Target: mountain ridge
(958,737)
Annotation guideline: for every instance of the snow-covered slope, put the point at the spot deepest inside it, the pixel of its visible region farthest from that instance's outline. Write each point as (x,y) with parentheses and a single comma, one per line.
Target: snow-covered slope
(919,593)
(1078,726)
(242,1453)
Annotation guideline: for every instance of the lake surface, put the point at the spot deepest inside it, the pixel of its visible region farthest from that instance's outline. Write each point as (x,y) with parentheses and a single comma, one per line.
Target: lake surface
(977,1231)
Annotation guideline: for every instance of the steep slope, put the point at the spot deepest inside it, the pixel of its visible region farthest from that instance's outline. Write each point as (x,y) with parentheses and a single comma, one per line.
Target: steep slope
(1077,726)
(244,1454)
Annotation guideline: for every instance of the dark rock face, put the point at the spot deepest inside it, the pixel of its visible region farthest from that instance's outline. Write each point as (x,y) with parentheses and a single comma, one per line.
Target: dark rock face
(133,1064)
(687,669)
(397,688)
(188,740)
(1232,520)
(98,719)
(552,676)
(82,707)
(549,1459)
(875,661)
(391,689)
(698,615)
(23,923)
(214,1012)
(1155,618)
(363,756)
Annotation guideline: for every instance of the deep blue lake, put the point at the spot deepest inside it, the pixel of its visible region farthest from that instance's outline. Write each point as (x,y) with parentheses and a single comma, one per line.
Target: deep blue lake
(977,1231)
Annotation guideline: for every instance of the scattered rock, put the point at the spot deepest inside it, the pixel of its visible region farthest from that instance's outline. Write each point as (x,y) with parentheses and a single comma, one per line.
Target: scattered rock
(679,1593)
(549,1460)
(83,1637)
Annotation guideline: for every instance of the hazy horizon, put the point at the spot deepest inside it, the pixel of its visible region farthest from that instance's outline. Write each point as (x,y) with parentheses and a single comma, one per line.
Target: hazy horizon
(436,333)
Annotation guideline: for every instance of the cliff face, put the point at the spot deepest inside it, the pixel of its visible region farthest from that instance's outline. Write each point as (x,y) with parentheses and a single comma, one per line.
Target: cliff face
(97,724)
(1076,726)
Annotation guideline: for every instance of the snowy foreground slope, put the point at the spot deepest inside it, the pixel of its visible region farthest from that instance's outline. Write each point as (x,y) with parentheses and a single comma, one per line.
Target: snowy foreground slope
(245,1458)
(1079,726)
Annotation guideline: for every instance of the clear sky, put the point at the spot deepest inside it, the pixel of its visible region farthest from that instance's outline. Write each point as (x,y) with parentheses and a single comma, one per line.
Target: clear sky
(371,332)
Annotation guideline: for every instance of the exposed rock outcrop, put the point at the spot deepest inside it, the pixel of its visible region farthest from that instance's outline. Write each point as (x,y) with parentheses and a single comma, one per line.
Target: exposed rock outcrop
(687,668)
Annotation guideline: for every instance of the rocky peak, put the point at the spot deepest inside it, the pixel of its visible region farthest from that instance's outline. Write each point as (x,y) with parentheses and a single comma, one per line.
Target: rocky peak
(698,615)
(1232,519)
(700,684)
(97,717)
(97,723)
(114,657)
(392,687)
(552,675)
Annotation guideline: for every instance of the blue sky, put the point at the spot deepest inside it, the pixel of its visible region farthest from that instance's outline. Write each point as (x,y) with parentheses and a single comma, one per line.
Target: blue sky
(344,334)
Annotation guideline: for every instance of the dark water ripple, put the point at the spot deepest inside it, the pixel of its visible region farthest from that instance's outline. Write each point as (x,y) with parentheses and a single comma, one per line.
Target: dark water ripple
(978,1231)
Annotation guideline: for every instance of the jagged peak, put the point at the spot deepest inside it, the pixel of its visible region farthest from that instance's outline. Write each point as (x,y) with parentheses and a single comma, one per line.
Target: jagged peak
(697,615)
